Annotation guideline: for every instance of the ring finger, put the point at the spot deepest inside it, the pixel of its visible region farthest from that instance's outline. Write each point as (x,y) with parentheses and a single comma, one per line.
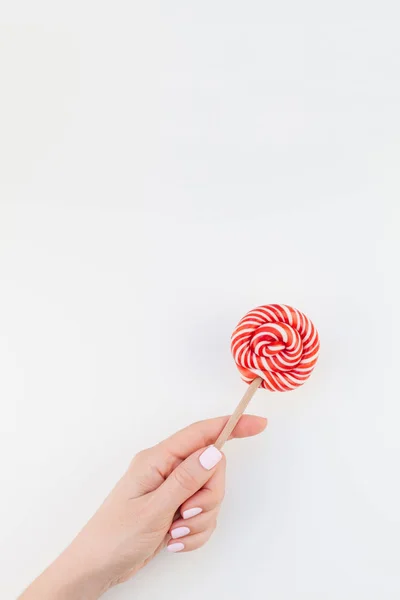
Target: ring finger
(191,542)
(183,527)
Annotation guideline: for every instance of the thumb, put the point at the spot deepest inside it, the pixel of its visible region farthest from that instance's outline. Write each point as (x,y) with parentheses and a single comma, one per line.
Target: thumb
(188,477)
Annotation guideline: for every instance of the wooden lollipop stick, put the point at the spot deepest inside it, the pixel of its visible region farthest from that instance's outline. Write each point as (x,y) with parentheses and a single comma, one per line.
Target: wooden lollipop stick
(234,418)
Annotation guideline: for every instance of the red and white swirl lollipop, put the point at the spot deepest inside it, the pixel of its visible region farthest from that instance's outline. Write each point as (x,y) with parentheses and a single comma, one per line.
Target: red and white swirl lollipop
(275,347)
(277,343)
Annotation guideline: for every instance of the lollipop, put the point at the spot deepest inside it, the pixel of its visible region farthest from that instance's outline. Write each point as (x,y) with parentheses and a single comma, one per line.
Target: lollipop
(275,347)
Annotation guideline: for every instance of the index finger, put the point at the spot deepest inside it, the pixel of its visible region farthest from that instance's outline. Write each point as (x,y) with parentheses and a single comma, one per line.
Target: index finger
(203,433)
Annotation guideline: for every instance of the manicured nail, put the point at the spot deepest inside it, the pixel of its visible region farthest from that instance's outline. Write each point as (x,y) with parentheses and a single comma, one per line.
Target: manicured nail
(179,532)
(210,457)
(175,547)
(191,512)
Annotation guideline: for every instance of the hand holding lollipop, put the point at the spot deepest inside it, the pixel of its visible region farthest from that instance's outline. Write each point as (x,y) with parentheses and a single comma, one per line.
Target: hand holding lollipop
(275,347)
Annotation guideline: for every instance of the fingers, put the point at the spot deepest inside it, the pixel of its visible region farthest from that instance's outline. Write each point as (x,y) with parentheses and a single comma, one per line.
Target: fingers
(204,433)
(209,497)
(188,477)
(192,542)
(248,426)
(184,527)
(199,515)
(151,467)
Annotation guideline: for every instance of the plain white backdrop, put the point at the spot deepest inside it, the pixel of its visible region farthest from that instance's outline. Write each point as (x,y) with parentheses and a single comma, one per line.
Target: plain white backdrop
(164,168)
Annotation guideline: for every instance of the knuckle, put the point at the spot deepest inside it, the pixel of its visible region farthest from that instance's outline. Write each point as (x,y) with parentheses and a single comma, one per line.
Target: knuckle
(216,499)
(185,478)
(198,544)
(205,539)
(211,526)
(140,457)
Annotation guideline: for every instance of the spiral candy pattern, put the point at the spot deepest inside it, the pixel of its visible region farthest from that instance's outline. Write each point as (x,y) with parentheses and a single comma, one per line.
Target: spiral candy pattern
(277,343)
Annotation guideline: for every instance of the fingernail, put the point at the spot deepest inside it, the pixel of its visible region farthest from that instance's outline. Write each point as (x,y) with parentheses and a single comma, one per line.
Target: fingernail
(179,532)
(210,457)
(175,547)
(191,512)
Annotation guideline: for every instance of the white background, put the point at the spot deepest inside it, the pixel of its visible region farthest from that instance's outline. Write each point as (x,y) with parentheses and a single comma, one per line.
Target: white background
(166,167)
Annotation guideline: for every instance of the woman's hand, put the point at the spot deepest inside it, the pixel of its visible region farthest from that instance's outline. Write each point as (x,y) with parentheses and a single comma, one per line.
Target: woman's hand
(170,496)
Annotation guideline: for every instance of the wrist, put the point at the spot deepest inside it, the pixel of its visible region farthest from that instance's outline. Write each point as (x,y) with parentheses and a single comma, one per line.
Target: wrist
(81,574)
(72,576)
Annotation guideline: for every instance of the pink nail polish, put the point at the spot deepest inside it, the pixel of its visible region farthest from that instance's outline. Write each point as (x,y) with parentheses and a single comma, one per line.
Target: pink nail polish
(179,532)
(191,512)
(177,547)
(210,457)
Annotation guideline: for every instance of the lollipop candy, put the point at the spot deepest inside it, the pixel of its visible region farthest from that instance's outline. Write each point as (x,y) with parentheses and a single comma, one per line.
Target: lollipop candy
(275,347)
